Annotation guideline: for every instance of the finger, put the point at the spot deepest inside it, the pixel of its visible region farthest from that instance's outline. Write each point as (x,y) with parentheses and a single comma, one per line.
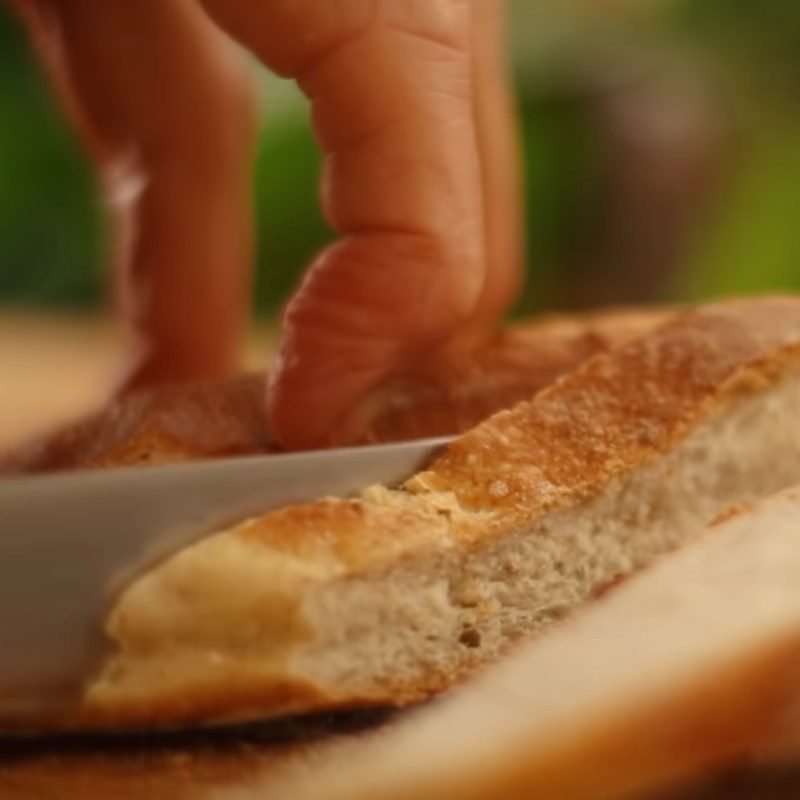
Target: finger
(164,107)
(392,100)
(496,123)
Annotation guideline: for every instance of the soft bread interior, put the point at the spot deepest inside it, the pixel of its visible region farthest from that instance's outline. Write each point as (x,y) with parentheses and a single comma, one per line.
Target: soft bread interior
(407,623)
(447,609)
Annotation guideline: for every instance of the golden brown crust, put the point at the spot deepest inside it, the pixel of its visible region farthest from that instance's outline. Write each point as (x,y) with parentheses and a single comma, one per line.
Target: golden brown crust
(475,376)
(155,426)
(618,410)
(196,704)
(217,703)
(459,386)
(222,702)
(331,533)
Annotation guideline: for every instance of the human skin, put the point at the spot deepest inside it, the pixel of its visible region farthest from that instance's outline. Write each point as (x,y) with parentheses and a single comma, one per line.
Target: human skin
(412,112)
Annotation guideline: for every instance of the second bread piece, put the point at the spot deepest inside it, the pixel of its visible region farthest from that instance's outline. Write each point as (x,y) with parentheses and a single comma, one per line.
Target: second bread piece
(448,392)
(392,597)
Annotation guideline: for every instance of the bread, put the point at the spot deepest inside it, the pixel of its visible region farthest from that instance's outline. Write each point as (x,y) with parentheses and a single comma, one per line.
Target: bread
(392,597)
(163,425)
(453,390)
(687,665)
(474,376)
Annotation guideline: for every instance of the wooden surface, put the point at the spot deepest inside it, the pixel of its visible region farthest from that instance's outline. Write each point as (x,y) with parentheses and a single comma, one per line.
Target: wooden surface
(52,368)
(56,367)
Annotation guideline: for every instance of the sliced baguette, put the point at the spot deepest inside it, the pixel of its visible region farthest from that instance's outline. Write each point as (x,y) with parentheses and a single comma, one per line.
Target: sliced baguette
(687,665)
(390,598)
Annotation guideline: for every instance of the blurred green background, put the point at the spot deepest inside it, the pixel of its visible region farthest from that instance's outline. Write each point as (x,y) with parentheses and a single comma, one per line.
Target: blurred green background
(662,161)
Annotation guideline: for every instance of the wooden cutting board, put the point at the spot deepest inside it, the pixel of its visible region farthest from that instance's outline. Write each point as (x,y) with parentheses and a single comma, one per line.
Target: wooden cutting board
(210,764)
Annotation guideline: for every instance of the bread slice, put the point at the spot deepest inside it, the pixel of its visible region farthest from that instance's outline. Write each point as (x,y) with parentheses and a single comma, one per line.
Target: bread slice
(687,665)
(454,389)
(392,597)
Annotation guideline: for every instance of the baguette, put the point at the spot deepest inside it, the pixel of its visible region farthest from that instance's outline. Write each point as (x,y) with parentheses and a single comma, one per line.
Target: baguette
(392,597)
(163,425)
(453,390)
(687,665)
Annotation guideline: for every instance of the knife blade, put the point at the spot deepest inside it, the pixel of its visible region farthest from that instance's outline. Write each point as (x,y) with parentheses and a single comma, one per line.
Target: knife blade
(69,542)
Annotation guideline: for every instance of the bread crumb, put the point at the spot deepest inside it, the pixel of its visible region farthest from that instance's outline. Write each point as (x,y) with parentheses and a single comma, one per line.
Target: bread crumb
(498,489)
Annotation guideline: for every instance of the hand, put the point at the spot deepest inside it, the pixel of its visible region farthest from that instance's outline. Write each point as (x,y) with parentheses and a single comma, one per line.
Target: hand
(412,111)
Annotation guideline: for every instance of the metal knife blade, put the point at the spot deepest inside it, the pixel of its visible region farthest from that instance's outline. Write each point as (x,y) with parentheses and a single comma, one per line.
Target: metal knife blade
(68,541)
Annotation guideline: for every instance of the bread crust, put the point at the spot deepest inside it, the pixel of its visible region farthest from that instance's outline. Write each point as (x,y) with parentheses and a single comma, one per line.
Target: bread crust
(477,375)
(169,424)
(619,409)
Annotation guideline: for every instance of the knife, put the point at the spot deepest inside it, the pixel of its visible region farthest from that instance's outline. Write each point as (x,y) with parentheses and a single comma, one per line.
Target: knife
(68,543)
